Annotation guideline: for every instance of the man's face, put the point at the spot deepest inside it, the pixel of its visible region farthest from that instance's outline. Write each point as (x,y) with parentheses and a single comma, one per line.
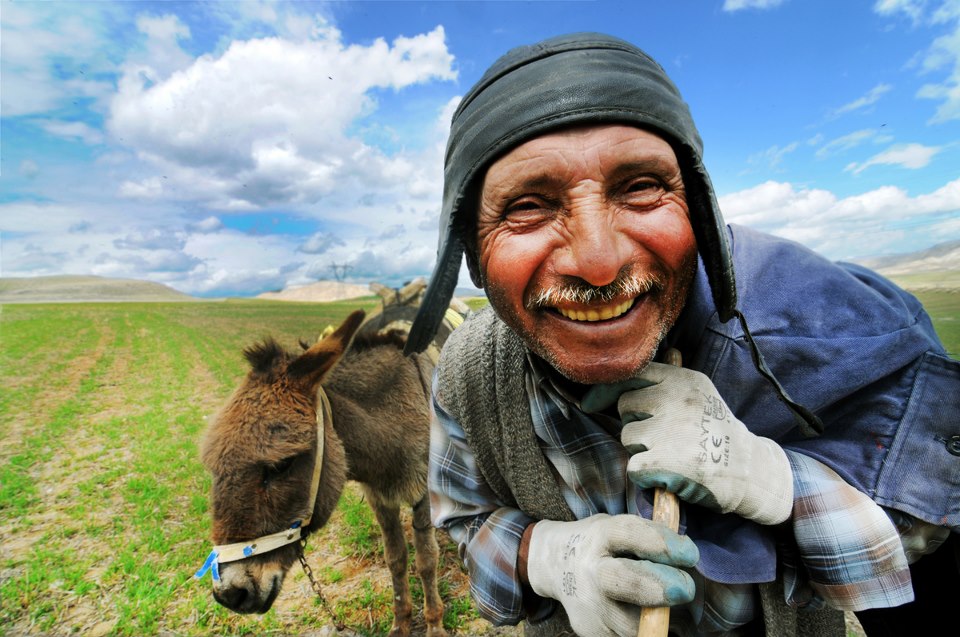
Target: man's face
(586,248)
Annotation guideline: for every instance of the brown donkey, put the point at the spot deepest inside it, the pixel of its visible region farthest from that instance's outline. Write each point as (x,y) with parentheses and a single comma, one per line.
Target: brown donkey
(262,450)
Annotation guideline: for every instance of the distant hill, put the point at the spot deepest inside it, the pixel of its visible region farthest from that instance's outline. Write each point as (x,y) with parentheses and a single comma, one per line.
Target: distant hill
(84,289)
(937,267)
(469,293)
(319,292)
(322,291)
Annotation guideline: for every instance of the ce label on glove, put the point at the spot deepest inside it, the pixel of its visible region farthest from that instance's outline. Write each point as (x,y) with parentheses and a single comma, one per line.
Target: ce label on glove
(568,582)
(716,448)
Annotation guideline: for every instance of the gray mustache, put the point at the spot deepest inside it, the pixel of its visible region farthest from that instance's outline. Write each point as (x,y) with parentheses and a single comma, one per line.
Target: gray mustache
(578,291)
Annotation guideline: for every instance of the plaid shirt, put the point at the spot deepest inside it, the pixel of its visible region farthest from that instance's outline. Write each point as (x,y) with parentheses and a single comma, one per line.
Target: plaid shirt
(848,553)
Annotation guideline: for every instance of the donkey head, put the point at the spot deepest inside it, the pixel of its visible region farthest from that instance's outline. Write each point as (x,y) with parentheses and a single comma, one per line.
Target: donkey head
(261,450)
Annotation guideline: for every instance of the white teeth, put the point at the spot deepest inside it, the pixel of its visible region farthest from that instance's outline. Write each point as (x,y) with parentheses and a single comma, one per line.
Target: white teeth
(597,314)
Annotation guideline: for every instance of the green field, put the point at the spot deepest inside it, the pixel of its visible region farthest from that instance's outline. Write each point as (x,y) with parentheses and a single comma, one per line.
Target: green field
(944,308)
(103,501)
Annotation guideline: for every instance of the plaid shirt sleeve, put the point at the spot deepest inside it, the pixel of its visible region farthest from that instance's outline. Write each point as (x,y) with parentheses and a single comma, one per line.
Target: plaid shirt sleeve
(487,533)
(851,553)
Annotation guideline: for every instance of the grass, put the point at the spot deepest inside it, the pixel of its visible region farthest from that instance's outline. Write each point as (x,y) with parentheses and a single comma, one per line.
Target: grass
(103,501)
(944,309)
(361,538)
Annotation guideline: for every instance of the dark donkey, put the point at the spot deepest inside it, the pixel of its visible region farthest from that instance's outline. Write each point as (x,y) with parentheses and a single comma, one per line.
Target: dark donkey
(262,450)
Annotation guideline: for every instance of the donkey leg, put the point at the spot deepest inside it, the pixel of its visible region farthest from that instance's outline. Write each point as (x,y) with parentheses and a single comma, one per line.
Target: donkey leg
(427,558)
(395,550)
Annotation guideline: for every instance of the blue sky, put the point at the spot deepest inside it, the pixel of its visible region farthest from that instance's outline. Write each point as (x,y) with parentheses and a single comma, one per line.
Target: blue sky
(229,148)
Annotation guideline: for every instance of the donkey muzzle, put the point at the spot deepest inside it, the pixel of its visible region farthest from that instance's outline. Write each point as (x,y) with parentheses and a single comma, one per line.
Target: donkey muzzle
(244,591)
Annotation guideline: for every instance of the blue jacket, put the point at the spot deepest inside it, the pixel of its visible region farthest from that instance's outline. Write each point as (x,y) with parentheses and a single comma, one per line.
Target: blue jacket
(849,345)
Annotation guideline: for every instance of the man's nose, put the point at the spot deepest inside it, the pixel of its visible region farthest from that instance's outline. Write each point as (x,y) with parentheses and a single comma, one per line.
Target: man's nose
(595,250)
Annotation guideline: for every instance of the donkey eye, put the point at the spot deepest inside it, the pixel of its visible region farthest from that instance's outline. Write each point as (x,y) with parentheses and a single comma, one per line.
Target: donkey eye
(276,470)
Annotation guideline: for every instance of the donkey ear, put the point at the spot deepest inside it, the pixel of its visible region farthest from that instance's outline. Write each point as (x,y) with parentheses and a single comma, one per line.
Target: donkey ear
(263,355)
(315,363)
(348,328)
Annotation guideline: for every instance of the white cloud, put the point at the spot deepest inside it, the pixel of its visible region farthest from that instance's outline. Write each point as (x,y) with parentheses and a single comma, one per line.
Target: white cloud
(871,98)
(382,265)
(238,282)
(40,37)
(911,156)
(850,141)
(320,242)
(161,52)
(949,10)
(210,224)
(772,157)
(88,239)
(151,188)
(152,239)
(260,121)
(943,53)
(773,203)
(196,253)
(236,263)
(911,8)
(28,168)
(867,224)
(949,95)
(161,264)
(28,217)
(72,130)
(737,5)
(268,122)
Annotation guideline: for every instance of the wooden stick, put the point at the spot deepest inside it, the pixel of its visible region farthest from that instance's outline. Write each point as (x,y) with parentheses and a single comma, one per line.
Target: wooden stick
(655,620)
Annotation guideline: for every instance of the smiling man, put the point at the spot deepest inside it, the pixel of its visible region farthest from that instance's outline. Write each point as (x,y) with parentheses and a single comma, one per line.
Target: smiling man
(586,247)
(812,474)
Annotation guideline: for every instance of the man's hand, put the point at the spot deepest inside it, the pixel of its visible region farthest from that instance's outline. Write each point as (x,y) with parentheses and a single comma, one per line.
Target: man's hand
(604,568)
(686,440)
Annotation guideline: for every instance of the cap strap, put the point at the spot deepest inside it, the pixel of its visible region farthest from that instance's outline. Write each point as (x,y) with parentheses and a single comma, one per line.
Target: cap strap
(810,424)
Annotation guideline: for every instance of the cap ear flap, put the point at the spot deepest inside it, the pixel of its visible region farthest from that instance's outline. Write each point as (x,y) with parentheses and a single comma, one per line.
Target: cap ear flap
(473,265)
(437,298)
(710,231)
(318,361)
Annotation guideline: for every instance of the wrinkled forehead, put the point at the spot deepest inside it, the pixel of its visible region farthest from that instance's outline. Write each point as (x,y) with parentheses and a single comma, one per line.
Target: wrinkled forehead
(607,149)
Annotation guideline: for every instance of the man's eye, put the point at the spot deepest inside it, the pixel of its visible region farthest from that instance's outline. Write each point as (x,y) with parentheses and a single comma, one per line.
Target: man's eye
(644,185)
(523,206)
(526,211)
(644,192)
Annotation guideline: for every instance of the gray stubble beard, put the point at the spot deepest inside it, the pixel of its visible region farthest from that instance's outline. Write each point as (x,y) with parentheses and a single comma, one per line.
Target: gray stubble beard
(578,291)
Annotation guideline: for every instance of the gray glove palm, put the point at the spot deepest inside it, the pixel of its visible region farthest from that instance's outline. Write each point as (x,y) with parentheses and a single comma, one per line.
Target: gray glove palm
(684,438)
(602,569)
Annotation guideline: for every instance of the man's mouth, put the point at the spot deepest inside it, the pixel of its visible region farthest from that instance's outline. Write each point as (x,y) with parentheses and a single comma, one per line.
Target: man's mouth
(598,313)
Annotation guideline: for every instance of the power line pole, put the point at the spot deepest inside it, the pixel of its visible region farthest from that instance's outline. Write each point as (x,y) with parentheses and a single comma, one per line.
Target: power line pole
(340,270)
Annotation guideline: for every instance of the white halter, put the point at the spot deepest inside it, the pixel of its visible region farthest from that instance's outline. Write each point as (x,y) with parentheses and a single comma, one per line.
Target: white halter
(241,550)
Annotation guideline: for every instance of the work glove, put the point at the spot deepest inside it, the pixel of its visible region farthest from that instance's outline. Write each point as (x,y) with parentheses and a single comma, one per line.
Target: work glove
(602,569)
(684,438)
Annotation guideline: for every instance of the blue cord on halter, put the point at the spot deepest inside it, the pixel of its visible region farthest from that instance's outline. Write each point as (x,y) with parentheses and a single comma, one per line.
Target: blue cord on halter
(212,563)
